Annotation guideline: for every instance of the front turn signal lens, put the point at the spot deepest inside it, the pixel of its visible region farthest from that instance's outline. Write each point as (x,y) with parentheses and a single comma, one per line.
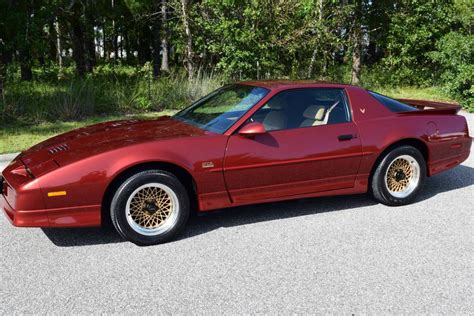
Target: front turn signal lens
(57,193)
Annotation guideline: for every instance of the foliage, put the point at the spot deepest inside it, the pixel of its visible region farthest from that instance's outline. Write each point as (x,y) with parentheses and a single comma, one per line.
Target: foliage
(17,136)
(70,59)
(121,90)
(413,32)
(455,57)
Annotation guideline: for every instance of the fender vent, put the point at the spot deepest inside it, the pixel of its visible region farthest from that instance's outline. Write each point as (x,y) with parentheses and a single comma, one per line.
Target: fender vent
(59,148)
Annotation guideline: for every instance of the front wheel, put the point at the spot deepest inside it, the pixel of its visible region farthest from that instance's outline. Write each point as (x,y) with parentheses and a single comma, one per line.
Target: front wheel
(150,207)
(399,176)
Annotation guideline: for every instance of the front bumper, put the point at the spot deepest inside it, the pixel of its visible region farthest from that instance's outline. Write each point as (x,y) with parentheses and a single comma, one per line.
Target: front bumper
(22,201)
(84,216)
(36,218)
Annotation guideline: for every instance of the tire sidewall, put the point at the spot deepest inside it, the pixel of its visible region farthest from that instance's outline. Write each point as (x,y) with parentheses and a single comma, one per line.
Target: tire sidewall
(379,176)
(119,202)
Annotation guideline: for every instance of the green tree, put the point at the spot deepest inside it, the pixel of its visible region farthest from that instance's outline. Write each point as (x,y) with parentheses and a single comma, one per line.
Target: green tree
(415,28)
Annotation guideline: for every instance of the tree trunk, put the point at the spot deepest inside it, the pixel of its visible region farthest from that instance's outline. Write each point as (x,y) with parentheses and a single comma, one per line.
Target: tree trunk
(165,67)
(128,50)
(356,39)
(114,41)
(315,51)
(156,43)
(52,37)
(26,73)
(2,75)
(105,52)
(5,59)
(114,34)
(59,49)
(89,42)
(371,52)
(2,91)
(165,64)
(78,42)
(24,52)
(144,54)
(91,58)
(189,39)
(311,63)
(156,48)
(356,57)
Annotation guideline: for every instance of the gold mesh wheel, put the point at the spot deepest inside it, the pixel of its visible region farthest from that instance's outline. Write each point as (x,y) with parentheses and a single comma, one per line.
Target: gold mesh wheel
(402,176)
(152,209)
(399,175)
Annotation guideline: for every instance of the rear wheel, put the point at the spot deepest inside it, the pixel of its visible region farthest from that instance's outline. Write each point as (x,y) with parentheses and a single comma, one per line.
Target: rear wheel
(399,176)
(150,207)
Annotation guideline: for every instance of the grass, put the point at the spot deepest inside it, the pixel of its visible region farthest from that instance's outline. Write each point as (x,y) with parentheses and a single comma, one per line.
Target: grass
(16,138)
(106,92)
(431,93)
(34,111)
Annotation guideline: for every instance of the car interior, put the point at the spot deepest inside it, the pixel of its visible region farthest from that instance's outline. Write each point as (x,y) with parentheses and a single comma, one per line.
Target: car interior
(303,108)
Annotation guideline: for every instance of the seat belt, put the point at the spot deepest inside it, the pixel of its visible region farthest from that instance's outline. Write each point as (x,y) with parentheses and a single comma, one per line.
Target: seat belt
(326,116)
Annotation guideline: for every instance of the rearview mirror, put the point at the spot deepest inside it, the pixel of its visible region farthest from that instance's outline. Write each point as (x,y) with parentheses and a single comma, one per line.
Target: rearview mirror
(252,129)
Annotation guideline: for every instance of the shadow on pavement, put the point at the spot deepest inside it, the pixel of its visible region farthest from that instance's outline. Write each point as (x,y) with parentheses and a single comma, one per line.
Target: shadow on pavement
(69,237)
(460,177)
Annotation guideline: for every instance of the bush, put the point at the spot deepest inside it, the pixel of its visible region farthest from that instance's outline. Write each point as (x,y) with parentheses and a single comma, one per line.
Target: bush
(76,102)
(177,92)
(109,90)
(455,56)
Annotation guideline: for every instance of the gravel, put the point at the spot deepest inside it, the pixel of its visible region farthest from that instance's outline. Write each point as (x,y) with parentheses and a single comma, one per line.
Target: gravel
(343,254)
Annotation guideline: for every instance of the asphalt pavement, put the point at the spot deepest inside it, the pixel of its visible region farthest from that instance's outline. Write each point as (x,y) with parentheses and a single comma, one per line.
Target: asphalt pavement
(325,255)
(5,160)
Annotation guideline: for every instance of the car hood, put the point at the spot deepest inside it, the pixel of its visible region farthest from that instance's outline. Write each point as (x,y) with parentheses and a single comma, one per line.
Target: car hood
(102,137)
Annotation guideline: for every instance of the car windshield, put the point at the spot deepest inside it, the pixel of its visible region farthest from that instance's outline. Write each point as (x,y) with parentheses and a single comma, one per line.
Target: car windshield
(217,111)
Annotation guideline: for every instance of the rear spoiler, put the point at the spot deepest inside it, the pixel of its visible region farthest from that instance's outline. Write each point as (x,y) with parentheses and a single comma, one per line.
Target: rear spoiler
(430,107)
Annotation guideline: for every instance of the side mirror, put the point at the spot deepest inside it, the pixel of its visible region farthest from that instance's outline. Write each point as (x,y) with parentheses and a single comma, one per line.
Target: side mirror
(252,129)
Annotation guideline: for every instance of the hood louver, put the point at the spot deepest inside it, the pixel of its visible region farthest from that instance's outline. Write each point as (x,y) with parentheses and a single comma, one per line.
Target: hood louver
(59,148)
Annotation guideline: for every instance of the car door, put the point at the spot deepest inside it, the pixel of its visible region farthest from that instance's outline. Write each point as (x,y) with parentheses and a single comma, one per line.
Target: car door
(303,151)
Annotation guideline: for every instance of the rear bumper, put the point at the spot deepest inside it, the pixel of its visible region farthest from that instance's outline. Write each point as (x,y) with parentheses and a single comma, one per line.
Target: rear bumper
(436,167)
(85,216)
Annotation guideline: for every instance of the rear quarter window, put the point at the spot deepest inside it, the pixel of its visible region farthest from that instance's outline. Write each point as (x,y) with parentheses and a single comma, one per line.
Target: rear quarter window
(392,104)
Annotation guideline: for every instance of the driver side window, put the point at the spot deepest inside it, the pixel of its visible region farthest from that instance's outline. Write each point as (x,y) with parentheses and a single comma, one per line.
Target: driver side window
(306,107)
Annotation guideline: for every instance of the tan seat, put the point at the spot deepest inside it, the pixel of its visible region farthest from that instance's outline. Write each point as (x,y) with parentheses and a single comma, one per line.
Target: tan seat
(276,118)
(314,115)
(317,115)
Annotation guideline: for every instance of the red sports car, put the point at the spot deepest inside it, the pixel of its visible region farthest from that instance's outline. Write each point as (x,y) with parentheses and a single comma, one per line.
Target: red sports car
(244,143)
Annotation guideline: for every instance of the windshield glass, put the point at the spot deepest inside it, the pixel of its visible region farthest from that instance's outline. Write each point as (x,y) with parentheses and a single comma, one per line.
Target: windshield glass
(219,110)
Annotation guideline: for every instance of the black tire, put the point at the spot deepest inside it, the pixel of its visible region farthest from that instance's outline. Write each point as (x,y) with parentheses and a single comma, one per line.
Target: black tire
(128,228)
(379,187)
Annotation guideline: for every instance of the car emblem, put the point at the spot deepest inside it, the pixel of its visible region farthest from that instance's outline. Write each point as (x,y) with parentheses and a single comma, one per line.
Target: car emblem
(362,110)
(207,164)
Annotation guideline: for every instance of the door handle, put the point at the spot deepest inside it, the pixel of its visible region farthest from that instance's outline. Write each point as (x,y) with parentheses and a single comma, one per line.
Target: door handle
(345,137)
